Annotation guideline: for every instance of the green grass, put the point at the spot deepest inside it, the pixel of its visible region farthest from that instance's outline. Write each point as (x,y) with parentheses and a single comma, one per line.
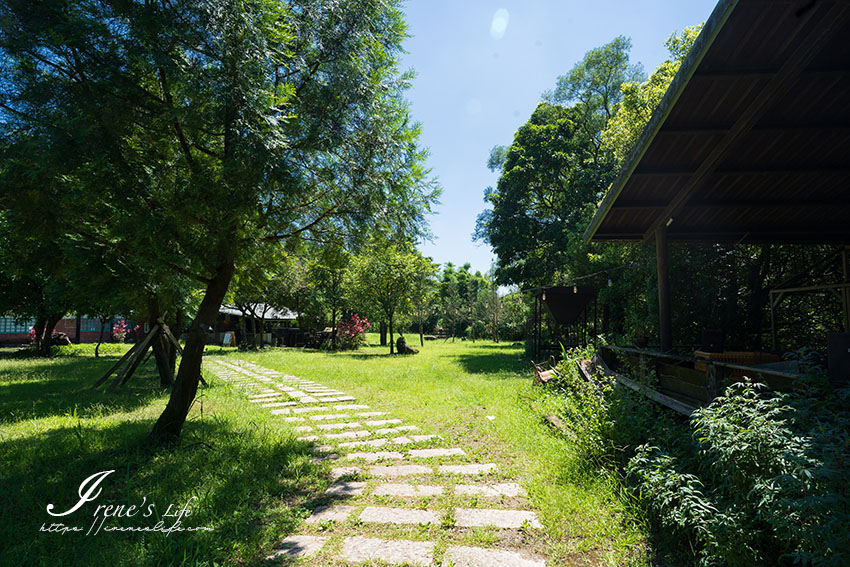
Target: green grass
(252,480)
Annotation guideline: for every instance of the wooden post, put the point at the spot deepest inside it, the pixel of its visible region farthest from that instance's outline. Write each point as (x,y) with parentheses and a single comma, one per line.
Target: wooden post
(662,261)
(845,292)
(79,328)
(714,380)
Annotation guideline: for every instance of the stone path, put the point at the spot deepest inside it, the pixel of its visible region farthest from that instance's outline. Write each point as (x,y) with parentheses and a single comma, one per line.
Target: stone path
(399,496)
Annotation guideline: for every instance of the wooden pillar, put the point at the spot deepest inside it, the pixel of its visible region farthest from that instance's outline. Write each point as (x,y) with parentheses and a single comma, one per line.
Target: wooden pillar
(845,292)
(662,261)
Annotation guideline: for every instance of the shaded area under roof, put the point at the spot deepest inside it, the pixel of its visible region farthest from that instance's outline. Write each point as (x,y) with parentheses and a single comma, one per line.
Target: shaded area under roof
(751,141)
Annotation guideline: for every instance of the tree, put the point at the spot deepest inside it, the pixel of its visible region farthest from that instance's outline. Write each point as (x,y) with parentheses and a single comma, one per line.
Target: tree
(385,276)
(543,199)
(594,85)
(424,296)
(217,127)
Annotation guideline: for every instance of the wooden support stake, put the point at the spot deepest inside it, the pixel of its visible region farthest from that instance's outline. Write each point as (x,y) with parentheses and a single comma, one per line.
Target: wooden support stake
(115,366)
(134,362)
(662,260)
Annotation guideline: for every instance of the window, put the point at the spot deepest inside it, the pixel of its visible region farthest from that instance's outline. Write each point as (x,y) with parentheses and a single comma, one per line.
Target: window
(91,324)
(8,326)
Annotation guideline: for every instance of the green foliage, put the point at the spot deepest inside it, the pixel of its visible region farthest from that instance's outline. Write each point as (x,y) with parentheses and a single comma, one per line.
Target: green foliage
(755,478)
(638,100)
(771,482)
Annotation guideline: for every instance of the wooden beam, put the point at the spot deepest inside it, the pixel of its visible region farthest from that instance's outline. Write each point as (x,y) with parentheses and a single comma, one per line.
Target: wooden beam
(807,48)
(662,261)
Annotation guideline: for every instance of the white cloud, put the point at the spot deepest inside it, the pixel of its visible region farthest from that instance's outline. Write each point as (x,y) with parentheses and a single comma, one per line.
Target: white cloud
(499,25)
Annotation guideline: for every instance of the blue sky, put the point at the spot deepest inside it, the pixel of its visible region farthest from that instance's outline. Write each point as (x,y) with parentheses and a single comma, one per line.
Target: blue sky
(481,69)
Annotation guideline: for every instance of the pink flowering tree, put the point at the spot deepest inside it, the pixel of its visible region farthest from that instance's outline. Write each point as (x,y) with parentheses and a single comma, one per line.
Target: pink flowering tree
(351,332)
(119,331)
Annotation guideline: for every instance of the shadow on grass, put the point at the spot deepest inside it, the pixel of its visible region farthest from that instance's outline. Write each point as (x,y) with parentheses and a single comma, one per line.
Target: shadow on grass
(36,388)
(495,363)
(248,483)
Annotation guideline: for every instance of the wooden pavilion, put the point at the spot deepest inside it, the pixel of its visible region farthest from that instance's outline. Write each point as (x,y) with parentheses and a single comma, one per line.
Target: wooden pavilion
(750,144)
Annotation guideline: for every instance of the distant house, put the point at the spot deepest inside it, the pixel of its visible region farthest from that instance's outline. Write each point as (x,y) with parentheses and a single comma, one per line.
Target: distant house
(80,329)
(229,321)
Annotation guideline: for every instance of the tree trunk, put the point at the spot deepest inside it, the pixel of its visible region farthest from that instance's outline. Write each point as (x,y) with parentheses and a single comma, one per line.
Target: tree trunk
(160,346)
(392,342)
(100,337)
(383,329)
(243,328)
(38,329)
(421,334)
(176,331)
(47,339)
(170,423)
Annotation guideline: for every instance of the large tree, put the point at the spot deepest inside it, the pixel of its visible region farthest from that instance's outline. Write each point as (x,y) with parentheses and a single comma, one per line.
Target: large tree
(384,276)
(204,131)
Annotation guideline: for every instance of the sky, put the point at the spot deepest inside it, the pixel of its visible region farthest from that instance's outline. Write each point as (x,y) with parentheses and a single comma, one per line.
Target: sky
(481,68)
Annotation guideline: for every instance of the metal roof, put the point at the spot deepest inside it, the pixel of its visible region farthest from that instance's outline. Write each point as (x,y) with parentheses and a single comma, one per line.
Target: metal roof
(271,314)
(751,142)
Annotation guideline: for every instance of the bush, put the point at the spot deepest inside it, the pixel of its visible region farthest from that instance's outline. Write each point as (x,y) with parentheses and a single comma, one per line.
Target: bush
(755,478)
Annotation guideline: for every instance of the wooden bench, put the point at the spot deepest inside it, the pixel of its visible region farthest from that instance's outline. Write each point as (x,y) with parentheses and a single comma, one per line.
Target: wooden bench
(545,371)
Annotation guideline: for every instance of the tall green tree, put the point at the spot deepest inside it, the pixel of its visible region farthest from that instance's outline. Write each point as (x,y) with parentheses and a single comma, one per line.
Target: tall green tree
(204,131)
(384,276)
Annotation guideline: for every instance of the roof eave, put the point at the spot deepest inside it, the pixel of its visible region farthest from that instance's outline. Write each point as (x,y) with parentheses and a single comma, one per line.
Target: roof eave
(706,38)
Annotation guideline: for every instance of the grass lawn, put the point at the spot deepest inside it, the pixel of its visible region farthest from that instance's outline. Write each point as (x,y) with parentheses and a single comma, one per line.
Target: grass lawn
(245,475)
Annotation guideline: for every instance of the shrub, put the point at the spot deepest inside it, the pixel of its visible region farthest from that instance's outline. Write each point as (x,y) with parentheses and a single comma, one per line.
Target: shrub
(119,331)
(351,332)
(755,478)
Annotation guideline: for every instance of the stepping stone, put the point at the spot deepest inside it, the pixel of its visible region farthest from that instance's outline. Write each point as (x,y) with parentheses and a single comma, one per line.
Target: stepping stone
(308,400)
(279,404)
(329,416)
(297,394)
(308,438)
(290,419)
(370,443)
(302,429)
(461,556)
(426,453)
(388,431)
(479,517)
(281,411)
(371,413)
(375,456)
(310,409)
(467,469)
(330,426)
(346,399)
(326,399)
(359,549)
(509,489)
(407,490)
(346,489)
(343,471)
(379,422)
(298,546)
(402,440)
(349,435)
(420,438)
(399,470)
(351,406)
(381,515)
(330,513)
